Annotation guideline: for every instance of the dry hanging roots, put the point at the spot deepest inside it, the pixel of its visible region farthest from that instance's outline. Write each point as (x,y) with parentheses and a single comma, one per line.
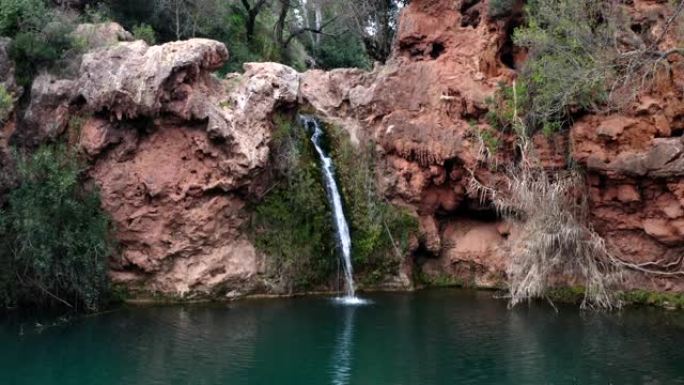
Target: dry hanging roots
(555,240)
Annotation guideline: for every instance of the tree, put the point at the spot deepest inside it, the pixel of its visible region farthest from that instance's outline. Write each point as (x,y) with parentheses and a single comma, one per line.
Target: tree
(252,10)
(375,22)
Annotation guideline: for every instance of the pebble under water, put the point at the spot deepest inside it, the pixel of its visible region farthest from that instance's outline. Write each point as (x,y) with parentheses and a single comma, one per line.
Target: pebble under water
(429,337)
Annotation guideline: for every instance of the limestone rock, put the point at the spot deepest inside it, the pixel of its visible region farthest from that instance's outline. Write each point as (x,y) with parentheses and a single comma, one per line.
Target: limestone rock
(132,79)
(47,116)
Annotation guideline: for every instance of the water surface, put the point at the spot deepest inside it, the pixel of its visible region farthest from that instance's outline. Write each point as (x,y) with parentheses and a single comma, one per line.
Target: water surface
(424,338)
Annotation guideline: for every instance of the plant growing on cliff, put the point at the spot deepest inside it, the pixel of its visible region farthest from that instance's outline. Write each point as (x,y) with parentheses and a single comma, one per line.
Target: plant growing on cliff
(555,242)
(146,33)
(55,236)
(569,46)
(293,224)
(380,231)
(41,37)
(583,56)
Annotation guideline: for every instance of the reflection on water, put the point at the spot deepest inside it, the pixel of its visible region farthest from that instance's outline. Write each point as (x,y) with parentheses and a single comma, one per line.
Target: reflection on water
(342,358)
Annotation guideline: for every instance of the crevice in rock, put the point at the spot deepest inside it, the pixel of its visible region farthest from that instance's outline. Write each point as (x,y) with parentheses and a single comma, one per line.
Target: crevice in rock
(471,14)
(437,50)
(509,53)
(677,126)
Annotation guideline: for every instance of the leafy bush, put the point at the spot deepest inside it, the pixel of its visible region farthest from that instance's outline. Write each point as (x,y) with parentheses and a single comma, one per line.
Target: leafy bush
(293,224)
(21,15)
(55,236)
(42,36)
(146,33)
(569,66)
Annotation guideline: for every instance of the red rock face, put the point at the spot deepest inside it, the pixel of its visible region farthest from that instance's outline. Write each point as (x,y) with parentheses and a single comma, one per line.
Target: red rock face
(177,225)
(176,179)
(176,160)
(422,107)
(422,110)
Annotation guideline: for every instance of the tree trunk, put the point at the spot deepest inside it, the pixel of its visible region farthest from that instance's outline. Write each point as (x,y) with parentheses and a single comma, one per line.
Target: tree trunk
(252,13)
(280,24)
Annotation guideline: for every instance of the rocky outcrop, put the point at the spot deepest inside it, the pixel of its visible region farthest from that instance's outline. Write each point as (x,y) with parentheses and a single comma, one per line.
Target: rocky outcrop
(176,152)
(48,113)
(422,109)
(423,106)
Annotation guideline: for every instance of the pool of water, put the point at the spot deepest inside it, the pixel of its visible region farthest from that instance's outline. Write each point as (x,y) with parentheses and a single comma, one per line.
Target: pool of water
(423,338)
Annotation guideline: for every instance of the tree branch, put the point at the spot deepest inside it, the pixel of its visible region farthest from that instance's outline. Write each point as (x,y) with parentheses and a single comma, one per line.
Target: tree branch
(319,31)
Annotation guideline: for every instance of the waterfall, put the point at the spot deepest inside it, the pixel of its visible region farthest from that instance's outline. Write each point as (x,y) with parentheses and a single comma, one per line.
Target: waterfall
(335,199)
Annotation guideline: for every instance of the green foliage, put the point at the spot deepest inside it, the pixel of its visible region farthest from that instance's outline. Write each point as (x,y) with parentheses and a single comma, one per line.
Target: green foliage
(97,13)
(262,47)
(342,52)
(575,294)
(292,225)
(54,234)
(500,8)
(503,108)
(146,33)
(569,43)
(21,15)
(644,297)
(380,232)
(441,280)
(6,103)
(41,36)
(568,68)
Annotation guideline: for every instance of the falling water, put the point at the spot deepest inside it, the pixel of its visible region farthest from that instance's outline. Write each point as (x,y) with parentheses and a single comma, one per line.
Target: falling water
(335,199)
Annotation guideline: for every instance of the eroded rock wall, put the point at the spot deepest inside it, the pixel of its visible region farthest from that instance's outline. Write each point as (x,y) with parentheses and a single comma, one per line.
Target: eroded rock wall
(178,152)
(423,106)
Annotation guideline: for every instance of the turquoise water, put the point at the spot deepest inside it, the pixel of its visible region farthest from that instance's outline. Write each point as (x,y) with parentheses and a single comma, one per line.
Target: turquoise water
(431,337)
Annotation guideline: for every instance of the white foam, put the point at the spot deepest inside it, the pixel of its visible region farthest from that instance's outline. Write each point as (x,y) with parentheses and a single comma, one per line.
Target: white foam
(352,301)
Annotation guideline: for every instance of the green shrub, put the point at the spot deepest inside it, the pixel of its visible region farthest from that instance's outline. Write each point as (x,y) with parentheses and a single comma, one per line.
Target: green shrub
(6,103)
(293,223)
(41,37)
(569,66)
(380,232)
(146,33)
(21,15)
(55,236)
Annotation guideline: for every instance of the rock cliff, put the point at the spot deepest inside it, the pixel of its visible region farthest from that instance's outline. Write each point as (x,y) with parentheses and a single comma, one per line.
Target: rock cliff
(178,152)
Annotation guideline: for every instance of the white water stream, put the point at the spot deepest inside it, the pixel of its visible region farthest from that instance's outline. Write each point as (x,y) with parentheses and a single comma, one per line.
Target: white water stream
(333,192)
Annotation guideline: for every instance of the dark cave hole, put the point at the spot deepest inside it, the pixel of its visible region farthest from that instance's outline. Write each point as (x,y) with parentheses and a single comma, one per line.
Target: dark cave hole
(507,50)
(437,50)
